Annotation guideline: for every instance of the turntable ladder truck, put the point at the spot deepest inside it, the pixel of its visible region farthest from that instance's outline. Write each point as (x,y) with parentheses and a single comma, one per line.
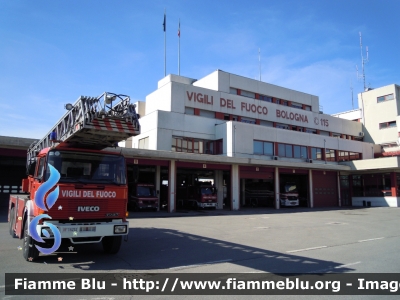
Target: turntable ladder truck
(91,205)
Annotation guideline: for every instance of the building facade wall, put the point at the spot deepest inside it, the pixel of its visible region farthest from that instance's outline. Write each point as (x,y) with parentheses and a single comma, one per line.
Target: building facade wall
(378,112)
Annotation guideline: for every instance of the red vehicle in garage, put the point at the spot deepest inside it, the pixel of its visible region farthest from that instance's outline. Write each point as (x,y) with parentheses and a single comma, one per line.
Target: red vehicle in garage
(289,196)
(74,190)
(200,195)
(143,196)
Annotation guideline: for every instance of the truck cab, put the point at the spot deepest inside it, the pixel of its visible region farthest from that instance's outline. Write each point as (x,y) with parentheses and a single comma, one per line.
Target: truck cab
(91,203)
(142,196)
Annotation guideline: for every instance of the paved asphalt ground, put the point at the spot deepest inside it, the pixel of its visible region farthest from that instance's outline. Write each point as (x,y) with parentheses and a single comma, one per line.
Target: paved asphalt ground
(292,240)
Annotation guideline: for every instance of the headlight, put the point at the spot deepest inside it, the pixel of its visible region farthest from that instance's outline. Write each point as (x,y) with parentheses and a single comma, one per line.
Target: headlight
(120,229)
(48,234)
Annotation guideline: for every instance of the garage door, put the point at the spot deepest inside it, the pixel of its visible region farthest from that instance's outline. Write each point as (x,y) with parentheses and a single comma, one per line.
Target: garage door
(325,189)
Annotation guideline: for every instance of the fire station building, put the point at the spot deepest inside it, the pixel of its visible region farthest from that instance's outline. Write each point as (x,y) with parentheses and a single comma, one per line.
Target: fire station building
(249,138)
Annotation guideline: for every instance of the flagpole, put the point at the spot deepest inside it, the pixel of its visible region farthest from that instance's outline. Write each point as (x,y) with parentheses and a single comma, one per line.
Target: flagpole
(165,43)
(179,48)
(259,63)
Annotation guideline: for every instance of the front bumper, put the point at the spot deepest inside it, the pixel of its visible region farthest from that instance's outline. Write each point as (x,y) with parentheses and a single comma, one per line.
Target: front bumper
(290,202)
(78,231)
(206,204)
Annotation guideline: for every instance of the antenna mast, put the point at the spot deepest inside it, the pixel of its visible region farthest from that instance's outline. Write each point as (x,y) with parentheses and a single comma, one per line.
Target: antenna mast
(363,62)
(259,62)
(352,99)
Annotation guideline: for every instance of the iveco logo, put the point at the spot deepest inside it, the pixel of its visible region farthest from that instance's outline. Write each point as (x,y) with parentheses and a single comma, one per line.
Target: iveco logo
(88,208)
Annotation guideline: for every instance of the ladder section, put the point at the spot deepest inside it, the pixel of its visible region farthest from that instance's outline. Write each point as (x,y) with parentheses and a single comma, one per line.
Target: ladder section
(92,123)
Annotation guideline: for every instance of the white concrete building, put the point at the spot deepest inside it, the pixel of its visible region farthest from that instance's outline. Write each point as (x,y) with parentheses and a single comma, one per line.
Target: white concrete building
(270,132)
(250,139)
(237,111)
(379,113)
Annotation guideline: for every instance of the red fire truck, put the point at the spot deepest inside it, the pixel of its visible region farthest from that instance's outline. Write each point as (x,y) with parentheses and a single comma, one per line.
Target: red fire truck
(200,195)
(289,195)
(142,196)
(91,190)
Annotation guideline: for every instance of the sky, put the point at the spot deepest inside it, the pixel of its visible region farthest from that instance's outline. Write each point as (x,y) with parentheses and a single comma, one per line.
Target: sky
(51,52)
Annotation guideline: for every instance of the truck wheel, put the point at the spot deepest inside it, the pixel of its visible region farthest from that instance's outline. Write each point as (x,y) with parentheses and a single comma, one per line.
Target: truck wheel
(111,244)
(11,224)
(28,246)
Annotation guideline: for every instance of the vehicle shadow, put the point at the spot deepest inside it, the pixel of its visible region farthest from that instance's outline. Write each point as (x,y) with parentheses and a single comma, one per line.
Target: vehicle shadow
(221,212)
(160,250)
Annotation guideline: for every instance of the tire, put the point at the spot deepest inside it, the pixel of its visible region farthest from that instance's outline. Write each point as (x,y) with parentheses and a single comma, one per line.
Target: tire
(28,246)
(11,224)
(111,244)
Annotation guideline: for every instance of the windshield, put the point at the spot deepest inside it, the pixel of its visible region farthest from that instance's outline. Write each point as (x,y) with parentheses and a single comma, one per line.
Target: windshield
(145,191)
(207,190)
(88,167)
(290,188)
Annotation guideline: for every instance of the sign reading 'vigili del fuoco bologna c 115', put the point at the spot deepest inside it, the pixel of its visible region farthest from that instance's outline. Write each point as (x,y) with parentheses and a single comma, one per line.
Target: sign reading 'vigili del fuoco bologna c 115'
(252,108)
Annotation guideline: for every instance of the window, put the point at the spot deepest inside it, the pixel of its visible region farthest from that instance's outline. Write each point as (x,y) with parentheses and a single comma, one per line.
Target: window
(307,108)
(354,156)
(40,170)
(144,143)
(289,150)
(189,110)
(281,150)
(207,113)
(263,148)
(387,125)
(247,94)
(266,123)
(248,120)
(344,156)
(385,98)
(190,145)
(233,91)
(313,131)
(282,126)
(299,151)
(258,147)
(330,155)
(265,98)
(283,102)
(316,153)
(297,105)
(295,151)
(87,168)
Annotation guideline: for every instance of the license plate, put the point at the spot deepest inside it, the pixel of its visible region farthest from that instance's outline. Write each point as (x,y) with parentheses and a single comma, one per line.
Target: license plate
(69,229)
(87,228)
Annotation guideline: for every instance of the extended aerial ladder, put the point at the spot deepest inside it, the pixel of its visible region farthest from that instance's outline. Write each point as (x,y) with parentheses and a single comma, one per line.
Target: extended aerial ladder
(90,188)
(91,123)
